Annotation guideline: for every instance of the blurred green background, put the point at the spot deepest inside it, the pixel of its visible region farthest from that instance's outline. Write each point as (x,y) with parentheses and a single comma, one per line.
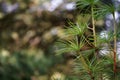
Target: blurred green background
(28,31)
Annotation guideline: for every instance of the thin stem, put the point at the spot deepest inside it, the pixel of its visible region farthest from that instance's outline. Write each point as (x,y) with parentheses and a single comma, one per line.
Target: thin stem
(101,77)
(83,61)
(115,43)
(86,67)
(93,25)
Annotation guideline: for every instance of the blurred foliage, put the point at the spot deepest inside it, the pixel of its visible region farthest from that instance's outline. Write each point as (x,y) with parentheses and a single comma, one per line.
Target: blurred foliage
(27,34)
(21,66)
